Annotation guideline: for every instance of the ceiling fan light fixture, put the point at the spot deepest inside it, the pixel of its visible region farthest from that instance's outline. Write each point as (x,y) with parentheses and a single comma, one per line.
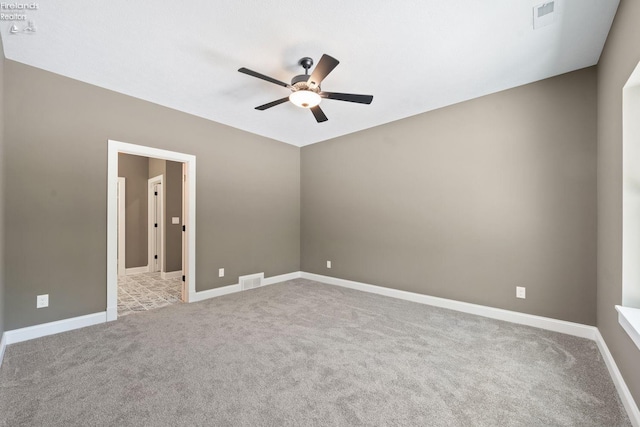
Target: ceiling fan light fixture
(305,88)
(305,98)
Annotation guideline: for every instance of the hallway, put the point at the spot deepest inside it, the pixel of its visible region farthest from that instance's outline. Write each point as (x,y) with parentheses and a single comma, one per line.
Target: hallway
(146,291)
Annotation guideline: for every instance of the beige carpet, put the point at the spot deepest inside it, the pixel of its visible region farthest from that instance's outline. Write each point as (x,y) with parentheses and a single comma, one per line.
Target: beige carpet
(302,353)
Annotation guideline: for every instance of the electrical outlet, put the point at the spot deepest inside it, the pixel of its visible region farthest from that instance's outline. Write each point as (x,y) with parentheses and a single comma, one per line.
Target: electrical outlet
(42,301)
(521,292)
(328,264)
(221,272)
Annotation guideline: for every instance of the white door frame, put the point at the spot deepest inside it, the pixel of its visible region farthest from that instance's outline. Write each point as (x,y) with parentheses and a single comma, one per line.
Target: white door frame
(184,294)
(122,226)
(152,240)
(189,248)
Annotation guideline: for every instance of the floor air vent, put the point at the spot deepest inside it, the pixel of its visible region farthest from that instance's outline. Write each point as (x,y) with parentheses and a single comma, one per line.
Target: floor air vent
(251,281)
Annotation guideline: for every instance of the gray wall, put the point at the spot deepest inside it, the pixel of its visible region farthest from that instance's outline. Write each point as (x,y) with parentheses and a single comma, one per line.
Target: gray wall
(135,170)
(466,202)
(2,201)
(156,167)
(621,55)
(248,192)
(172,207)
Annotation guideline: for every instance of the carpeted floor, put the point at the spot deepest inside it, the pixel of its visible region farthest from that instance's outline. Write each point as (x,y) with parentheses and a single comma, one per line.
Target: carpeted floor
(300,353)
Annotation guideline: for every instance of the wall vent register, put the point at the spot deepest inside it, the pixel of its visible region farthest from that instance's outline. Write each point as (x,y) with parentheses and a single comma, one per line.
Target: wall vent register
(251,281)
(544,14)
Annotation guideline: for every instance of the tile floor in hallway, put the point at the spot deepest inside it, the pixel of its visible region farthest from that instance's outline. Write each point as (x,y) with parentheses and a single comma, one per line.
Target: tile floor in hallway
(146,291)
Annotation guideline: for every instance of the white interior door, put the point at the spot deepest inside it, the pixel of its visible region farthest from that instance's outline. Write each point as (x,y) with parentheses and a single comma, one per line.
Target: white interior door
(157,217)
(156,225)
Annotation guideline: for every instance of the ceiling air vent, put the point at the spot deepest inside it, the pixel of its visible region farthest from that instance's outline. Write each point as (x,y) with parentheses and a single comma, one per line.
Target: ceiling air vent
(543,14)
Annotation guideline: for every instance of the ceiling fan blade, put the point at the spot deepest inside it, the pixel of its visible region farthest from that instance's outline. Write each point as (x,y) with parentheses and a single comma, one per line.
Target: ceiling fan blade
(350,97)
(263,77)
(318,114)
(322,70)
(272,104)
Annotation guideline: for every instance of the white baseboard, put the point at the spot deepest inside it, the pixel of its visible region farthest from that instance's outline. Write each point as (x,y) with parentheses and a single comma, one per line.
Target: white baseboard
(112,313)
(281,278)
(212,293)
(618,381)
(171,274)
(569,328)
(44,329)
(136,270)
(230,289)
(3,345)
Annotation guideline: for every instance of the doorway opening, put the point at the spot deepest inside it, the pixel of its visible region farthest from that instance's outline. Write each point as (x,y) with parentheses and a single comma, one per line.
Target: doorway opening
(157,238)
(152,190)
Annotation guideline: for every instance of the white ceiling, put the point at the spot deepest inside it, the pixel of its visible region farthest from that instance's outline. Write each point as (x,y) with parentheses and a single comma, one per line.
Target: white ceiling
(412,55)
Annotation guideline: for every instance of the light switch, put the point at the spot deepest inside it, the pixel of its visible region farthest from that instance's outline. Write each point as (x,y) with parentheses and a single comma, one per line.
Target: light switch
(175,220)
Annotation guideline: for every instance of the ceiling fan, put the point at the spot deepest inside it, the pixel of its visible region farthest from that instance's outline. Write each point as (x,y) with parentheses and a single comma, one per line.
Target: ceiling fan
(305,88)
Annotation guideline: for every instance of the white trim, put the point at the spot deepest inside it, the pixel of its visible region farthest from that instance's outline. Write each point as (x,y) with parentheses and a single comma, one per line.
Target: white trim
(171,274)
(44,329)
(281,278)
(115,147)
(216,292)
(184,288)
(230,289)
(112,313)
(3,346)
(570,328)
(623,391)
(122,220)
(630,193)
(136,270)
(629,319)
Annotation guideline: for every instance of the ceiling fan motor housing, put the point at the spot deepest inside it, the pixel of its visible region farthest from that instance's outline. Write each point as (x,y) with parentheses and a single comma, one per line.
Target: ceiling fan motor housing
(299,81)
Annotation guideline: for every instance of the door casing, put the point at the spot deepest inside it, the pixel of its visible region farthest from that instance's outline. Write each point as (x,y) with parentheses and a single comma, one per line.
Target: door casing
(189,248)
(122,227)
